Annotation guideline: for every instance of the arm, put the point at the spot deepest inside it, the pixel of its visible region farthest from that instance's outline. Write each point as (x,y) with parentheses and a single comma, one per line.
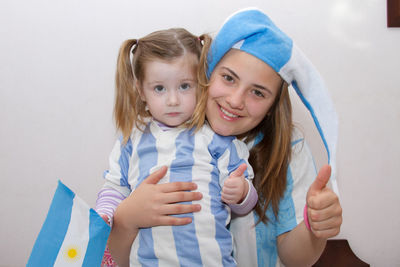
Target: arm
(149,205)
(301,246)
(107,201)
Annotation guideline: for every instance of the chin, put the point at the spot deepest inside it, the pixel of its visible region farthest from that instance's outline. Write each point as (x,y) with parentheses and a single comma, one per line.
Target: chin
(221,131)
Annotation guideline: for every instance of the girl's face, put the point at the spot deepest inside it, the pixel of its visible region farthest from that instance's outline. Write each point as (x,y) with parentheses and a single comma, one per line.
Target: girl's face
(241,92)
(169,89)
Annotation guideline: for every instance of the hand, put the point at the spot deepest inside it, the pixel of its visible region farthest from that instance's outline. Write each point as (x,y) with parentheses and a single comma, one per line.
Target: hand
(151,203)
(324,210)
(105,218)
(235,186)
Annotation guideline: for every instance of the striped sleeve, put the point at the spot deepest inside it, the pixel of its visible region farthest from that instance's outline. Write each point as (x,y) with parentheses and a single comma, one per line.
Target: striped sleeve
(116,187)
(117,175)
(107,201)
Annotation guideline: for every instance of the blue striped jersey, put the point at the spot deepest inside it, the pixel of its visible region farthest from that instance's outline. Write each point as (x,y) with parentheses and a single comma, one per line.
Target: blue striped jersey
(256,245)
(202,157)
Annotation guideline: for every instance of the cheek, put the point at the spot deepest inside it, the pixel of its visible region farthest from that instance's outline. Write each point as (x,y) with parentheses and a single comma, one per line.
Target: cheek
(216,89)
(190,102)
(154,101)
(258,111)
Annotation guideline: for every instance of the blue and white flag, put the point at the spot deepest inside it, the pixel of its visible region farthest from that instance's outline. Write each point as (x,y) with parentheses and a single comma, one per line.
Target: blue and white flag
(73,234)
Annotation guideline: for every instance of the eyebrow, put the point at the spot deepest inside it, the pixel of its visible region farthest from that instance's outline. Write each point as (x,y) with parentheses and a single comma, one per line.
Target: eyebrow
(261,87)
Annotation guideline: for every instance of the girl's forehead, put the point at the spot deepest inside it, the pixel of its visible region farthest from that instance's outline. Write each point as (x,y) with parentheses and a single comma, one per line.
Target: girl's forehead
(180,68)
(185,60)
(246,62)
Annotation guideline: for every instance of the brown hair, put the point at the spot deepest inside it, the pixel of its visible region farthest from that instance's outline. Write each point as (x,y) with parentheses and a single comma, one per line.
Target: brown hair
(166,45)
(271,156)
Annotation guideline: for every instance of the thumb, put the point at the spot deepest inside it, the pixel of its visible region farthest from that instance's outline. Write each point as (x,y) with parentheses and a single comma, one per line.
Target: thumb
(239,171)
(322,179)
(156,176)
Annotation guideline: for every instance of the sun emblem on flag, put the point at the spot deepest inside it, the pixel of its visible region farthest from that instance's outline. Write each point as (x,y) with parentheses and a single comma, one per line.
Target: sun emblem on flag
(72,253)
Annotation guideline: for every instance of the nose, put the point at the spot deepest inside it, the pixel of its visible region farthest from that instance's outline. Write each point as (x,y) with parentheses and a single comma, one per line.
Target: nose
(172,98)
(236,99)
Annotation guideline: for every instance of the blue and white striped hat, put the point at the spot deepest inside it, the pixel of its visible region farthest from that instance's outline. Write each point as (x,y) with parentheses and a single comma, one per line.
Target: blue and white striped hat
(252,31)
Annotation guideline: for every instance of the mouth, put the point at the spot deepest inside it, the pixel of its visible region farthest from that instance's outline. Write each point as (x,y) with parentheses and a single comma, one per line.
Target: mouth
(173,114)
(228,115)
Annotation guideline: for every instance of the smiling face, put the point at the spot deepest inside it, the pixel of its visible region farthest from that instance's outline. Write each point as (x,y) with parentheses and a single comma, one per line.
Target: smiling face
(242,90)
(169,89)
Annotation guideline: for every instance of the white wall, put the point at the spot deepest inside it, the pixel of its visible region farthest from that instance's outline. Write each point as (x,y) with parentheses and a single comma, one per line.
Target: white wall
(56,95)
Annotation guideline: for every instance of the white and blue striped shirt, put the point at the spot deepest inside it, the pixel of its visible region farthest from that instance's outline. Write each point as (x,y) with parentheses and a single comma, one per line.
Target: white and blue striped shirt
(202,157)
(257,246)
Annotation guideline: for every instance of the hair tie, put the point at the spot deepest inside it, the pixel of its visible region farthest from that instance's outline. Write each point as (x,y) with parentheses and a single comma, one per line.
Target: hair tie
(133,48)
(200,40)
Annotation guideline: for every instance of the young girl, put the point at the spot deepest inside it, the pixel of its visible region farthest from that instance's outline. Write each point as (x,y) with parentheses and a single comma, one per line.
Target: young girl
(162,123)
(251,65)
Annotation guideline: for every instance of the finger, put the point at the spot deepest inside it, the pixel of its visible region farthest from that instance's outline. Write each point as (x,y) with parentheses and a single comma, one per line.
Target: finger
(326,233)
(180,208)
(239,171)
(227,201)
(182,196)
(323,200)
(227,197)
(325,214)
(170,220)
(321,180)
(332,222)
(156,176)
(177,186)
(105,218)
(230,190)
(234,183)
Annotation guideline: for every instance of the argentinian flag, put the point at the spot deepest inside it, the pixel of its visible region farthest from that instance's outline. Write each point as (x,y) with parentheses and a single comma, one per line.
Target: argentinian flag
(73,234)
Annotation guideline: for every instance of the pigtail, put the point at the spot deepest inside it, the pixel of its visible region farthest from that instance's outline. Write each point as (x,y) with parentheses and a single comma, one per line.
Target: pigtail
(205,41)
(125,96)
(198,117)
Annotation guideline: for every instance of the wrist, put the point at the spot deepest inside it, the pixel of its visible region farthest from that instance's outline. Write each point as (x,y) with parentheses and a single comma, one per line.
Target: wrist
(245,190)
(122,221)
(305,217)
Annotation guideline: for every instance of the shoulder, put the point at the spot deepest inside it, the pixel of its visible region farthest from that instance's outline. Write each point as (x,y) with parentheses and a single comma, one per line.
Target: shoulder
(301,156)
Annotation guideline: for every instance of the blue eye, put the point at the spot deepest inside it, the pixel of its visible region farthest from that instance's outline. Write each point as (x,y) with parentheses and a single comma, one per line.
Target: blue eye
(184,86)
(159,88)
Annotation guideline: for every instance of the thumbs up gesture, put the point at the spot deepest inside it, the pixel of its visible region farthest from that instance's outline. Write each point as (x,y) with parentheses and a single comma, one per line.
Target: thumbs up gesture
(235,186)
(323,207)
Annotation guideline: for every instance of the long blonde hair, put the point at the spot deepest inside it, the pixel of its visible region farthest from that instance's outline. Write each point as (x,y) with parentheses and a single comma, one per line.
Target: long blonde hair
(166,45)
